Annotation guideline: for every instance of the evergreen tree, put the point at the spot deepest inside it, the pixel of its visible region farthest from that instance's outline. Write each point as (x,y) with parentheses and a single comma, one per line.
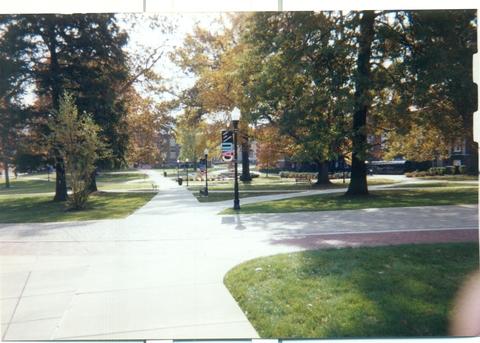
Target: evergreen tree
(11,109)
(81,53)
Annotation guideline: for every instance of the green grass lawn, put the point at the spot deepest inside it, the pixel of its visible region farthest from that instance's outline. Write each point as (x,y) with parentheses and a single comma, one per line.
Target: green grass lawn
(123,181)
(393,291)
(378,199)
(38,183)
(436,184)
(22,203)
(273,186)
(29,185)
(276,183)
(220,196)
(41,208)
(121,176)
(458,177)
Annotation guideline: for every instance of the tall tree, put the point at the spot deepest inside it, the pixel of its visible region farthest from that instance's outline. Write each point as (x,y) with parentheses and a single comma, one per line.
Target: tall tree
(81,53)
(271,146)
(209,56)
(362,103)
(11,109)
(296,78)
(443,96)
(331,75)
(191,135)
(148,124)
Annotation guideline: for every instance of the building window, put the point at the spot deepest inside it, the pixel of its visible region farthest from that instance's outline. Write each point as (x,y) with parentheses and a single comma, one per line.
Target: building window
(458,146)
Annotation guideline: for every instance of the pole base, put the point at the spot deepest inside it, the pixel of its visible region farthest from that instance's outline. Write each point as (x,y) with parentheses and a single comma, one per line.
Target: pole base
(236,205)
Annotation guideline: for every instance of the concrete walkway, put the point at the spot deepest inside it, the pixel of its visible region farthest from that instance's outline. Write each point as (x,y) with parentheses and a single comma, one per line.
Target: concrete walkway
(158,274)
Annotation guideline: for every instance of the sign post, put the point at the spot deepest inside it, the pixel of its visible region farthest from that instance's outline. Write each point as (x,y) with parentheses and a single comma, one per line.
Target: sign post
(227,146)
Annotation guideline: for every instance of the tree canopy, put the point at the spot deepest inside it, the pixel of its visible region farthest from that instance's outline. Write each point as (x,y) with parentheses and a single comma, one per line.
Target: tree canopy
(80,53)
(328,77)
(325,82)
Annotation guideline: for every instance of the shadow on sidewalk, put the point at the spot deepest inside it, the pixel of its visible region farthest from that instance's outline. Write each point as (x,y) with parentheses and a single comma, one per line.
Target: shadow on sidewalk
(378,239)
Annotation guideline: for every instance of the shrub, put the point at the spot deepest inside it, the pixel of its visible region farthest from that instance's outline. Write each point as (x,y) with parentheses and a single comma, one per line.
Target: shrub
(462,169)
(417,173)
(437,171)
(296,175)
(252,176)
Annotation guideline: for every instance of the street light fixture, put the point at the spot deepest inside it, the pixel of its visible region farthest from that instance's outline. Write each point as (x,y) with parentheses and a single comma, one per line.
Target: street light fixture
(206,171)
(178,170)
(235,119)
(186,168)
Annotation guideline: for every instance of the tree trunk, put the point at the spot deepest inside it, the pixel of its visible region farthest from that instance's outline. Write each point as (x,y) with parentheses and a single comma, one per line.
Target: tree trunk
(7,179)
(61,178)
(358,181)
(245,163)
(472,159)
(60,184)
(92,187)
(5,161)
(322,168)
(50,40)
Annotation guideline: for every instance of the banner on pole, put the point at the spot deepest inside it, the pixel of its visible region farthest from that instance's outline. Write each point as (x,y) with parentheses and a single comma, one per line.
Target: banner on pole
(227,146)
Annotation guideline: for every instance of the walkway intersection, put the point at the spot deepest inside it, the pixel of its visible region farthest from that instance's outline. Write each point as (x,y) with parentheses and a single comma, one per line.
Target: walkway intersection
(158,274)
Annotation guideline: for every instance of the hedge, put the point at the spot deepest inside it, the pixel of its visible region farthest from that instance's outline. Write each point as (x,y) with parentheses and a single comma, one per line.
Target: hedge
(311,176)
(295,175)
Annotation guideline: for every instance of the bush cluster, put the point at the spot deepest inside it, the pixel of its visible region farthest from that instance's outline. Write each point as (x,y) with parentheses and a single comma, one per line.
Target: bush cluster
(417,173)
(311,176)
(196,178)
(450,170)
(440,171)
(252,176)
(295,175)
(339,175)
(437,171)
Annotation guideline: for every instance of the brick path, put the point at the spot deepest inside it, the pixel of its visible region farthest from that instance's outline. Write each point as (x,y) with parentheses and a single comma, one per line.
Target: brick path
(380,238)
(158,274)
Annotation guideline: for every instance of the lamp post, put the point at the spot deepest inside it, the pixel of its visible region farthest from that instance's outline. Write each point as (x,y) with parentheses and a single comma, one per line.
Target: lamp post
(178,170)
(186,168)
(235,119)
(206,171)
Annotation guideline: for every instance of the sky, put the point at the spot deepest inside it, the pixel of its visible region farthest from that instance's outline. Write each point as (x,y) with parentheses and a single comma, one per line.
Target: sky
(189,7)
(69,6)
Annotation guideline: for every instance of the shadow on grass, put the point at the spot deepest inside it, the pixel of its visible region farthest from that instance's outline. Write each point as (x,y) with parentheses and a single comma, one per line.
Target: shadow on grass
(394,291)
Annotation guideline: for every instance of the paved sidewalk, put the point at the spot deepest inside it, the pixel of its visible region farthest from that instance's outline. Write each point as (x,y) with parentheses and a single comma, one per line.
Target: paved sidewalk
(158,274)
